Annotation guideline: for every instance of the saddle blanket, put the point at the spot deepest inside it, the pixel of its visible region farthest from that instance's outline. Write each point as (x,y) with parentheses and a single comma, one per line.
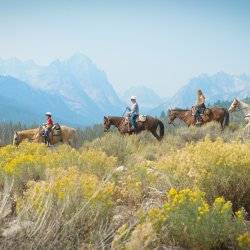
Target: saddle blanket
(141,118)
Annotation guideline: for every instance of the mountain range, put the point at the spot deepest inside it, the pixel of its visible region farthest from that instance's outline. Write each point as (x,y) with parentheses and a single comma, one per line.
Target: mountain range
(75,89)
(220,86)
(78,93)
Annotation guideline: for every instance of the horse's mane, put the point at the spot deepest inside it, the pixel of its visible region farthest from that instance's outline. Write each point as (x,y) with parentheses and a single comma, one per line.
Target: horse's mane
(27,131)
(244,103)
(115,117)
(179,109)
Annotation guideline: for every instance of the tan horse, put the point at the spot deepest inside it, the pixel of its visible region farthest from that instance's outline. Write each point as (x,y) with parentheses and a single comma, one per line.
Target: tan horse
(35,135)
(219,115)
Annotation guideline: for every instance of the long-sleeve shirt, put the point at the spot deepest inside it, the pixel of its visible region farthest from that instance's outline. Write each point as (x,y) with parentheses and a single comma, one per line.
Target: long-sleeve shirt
(134,109)
(50,122)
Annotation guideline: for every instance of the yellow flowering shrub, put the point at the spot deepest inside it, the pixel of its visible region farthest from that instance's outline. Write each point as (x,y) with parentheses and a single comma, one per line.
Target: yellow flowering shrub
(136,183)
(113,145)
(129,190)
(30,161)
(22,164)
(62,156)
(97,162)
(244,241)
(68,187)
(81,196)
(187,219)
(217,168)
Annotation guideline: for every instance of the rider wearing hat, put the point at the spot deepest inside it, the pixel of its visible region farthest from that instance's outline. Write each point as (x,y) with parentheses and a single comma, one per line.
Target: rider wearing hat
(133,112)
(48,126)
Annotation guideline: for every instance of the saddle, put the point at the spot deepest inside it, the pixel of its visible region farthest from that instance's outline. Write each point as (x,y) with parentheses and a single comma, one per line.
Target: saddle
(56,130)
(205,112)
(141,118)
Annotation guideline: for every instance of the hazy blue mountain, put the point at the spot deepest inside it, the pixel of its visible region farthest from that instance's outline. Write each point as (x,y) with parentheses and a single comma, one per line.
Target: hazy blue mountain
(220,86)
(84,88)
(147,98)
(21,102)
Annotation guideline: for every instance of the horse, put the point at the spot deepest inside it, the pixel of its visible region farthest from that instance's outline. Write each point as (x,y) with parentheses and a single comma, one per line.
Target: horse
(241,106)
(151,124)
(220,115)
(27,134)
(36,135)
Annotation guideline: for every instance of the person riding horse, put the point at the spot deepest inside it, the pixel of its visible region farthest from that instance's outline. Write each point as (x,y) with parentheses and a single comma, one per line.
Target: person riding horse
(48,128)
(200,107)
(133,113)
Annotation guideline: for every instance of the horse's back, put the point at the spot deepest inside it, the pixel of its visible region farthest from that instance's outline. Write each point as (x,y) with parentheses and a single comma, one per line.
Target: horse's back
(67,132)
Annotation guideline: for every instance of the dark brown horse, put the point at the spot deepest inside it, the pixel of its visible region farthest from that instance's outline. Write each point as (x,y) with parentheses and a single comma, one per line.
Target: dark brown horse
(220,115)
(150,124)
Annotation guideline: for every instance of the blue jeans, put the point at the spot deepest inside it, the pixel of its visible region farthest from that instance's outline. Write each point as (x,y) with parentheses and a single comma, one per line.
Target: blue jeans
(46,134)
(199,111)
(133,120)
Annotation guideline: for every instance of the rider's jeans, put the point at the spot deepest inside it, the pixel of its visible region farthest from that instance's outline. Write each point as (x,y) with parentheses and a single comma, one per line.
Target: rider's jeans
(133,120)
(199,111)
(47,132)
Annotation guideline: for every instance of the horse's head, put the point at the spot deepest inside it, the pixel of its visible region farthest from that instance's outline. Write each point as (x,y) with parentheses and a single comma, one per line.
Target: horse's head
(16,139)
(106,124)
(172,115)
(235,104)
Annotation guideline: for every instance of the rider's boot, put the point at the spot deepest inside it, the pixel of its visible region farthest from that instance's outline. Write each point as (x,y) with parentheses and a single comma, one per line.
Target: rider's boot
(132,129)
(198,121)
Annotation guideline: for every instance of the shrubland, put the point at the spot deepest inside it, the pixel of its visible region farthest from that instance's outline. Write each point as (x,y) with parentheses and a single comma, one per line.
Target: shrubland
(191,190)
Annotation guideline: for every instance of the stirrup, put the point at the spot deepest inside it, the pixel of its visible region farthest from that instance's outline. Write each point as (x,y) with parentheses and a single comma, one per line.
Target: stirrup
(131,129)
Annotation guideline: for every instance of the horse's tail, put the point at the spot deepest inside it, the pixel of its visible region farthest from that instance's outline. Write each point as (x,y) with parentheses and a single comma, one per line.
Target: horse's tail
(161,125)
(226,118)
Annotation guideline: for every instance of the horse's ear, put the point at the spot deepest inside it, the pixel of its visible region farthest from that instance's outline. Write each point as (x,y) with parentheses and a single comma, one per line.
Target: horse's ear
(15,133)
(105,118)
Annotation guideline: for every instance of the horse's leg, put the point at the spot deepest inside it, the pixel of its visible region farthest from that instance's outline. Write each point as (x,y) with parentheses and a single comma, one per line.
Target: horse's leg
(222,125)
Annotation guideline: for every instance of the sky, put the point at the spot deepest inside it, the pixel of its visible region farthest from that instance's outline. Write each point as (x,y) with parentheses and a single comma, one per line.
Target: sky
(157,43)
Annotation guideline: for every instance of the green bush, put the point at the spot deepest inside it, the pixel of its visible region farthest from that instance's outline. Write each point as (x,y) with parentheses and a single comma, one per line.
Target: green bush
(187,220)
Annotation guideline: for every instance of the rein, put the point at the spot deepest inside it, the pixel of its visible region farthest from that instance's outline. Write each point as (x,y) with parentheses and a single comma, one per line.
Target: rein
(243,108)
(172,123)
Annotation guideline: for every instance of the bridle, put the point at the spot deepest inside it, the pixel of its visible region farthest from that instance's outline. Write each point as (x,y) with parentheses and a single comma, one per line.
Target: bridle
(171,123)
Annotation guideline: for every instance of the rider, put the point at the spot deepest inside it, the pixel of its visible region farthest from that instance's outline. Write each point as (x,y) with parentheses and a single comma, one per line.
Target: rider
(200,106)
(133,113)
(48,127)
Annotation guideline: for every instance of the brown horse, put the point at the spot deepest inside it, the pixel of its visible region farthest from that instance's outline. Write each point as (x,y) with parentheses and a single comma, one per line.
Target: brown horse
(35,135)
(220,115)
(150,124)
